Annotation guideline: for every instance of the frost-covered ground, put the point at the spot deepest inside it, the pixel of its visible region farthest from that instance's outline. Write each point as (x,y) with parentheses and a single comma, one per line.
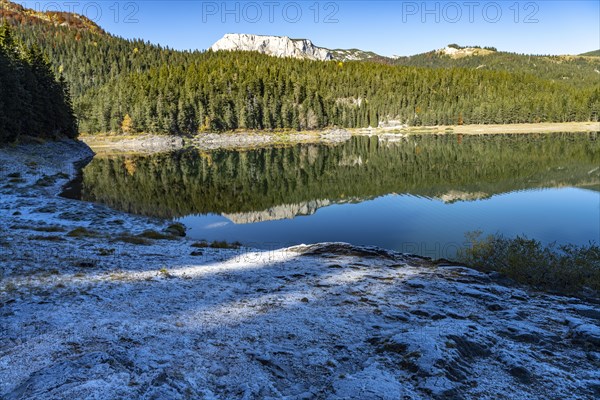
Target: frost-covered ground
(93,317)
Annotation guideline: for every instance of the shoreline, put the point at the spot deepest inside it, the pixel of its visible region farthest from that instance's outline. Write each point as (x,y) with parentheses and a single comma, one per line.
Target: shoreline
(550,127)
(152,143)
(94,306)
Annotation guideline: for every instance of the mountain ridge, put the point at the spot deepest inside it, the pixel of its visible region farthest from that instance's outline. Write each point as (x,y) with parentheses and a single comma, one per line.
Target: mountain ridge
(284,46)
(577,70)
(278,46)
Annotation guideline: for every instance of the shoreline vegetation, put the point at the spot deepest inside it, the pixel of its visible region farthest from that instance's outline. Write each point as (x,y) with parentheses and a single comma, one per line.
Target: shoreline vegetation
(108,143)
(566,269)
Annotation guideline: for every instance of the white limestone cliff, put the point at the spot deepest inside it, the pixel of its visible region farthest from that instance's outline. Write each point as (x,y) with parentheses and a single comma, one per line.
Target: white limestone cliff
(279,46)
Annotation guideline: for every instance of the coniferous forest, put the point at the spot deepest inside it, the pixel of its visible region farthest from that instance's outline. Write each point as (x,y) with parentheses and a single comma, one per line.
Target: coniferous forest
(228,91)
(33,101)
(132,86)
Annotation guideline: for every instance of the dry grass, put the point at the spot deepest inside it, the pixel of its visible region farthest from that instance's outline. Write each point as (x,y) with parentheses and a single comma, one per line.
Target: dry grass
(106,252)
(49,229)
(125,238)
(565,269)
(47,238)
(82,232)
(154,235)
(543,127)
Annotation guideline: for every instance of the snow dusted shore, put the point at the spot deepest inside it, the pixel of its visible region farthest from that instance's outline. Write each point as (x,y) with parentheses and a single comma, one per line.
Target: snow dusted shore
(85,312)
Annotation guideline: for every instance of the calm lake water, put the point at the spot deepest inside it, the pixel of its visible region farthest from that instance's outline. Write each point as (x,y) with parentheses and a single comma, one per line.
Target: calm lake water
(418,194)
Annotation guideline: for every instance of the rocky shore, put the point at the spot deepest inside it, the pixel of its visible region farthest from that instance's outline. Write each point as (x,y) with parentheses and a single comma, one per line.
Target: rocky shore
(95,303)
(211,141)
(148,143)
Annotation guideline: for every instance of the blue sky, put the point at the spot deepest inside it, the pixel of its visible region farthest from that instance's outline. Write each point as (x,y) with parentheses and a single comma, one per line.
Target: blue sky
(386,27)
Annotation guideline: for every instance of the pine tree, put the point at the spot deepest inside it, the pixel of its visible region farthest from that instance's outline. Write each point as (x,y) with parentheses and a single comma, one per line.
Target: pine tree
(33,102)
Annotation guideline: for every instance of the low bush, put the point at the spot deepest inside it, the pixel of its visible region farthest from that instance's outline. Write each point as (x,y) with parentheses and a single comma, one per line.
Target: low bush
(176,229)
(47,238)
(565,269)
(217,244)
(150,234)
(125,238)
(82,232)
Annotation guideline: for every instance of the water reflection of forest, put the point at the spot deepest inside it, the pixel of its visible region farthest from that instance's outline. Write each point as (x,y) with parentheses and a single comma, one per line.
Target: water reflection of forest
(447,167)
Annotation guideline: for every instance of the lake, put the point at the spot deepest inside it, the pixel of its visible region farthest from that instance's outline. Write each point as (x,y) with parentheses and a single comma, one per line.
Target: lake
(417,194)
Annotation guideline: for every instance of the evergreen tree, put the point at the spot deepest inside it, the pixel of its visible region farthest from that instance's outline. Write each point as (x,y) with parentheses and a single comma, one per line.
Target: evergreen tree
(32,101)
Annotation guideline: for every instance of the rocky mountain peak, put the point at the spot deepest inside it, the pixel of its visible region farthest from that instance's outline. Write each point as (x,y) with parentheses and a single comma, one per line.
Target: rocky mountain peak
(455,51)
(278,46)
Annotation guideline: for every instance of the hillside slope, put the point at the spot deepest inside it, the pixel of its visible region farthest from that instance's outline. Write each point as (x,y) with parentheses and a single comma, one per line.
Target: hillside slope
(595,53)
(84,53)
(17,13)
(577,71)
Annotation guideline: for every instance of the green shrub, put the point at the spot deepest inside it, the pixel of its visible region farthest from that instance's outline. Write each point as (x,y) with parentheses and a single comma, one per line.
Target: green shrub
(165,273)
(176,229)
(222,244)
(565,269)
(217,244)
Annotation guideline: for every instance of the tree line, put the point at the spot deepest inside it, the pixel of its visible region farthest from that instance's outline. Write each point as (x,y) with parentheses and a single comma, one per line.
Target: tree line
(221,91)
(33,101)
